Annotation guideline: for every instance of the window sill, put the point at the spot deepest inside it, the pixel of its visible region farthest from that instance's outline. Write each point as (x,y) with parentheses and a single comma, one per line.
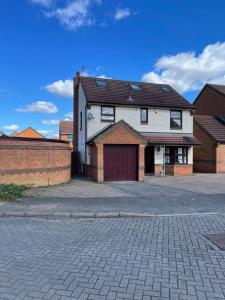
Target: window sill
(144,123)
(180,128)
(108,121)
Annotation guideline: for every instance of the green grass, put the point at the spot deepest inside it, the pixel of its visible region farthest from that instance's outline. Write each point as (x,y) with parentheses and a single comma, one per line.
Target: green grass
(11,192)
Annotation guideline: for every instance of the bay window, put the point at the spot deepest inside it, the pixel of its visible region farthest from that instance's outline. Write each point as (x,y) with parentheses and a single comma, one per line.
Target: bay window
(176,155)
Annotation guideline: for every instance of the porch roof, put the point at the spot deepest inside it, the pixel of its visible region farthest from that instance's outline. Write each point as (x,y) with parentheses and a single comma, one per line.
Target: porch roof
(171,139)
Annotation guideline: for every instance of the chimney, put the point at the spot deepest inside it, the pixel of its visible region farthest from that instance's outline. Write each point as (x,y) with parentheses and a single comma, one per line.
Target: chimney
(76,82)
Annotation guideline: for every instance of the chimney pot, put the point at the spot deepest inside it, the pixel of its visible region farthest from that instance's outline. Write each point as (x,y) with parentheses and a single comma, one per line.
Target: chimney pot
(78,73)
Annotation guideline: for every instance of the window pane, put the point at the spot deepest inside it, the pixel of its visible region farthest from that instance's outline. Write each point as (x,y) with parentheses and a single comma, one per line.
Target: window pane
(107,118)
(144,115)
(107,110)
(176,114)
(175,123)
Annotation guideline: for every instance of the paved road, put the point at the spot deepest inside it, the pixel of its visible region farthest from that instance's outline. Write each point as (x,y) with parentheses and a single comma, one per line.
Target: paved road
(147,258)
(144,198)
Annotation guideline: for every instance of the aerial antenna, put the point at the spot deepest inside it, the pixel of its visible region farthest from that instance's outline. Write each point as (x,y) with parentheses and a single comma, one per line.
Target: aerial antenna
(84,71)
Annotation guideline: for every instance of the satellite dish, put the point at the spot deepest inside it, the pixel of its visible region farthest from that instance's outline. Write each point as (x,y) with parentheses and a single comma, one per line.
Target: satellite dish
(90,116)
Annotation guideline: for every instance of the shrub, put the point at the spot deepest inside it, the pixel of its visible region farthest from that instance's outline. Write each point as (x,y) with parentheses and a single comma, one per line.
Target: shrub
(12,191)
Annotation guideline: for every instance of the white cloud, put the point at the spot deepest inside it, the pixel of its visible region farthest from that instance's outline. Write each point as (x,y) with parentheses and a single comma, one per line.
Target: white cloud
(50,122)
(69,116)
(39,107)
(75,15)
(62,88)
(122,13)
(12,127)
(45,3)
(189,72)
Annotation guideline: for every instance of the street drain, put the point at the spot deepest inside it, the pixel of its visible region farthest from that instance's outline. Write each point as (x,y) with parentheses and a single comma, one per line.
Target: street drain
(217,239)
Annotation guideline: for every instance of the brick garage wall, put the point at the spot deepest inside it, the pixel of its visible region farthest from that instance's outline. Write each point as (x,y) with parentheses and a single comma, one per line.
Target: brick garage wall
(204,155)
(120,136)
(220,158)
(35,162)
(210,102)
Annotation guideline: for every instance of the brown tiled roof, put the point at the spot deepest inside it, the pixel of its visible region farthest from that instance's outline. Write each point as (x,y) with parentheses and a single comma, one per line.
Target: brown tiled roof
(212,126)
(66,127)
(220,88)
(171,139)
(155,138)
(118,91)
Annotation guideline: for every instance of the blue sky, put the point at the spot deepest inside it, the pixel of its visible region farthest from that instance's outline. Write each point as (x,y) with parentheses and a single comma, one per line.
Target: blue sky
(44,42)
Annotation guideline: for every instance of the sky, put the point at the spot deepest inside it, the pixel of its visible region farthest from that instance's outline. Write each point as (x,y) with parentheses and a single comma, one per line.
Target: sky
(44,42)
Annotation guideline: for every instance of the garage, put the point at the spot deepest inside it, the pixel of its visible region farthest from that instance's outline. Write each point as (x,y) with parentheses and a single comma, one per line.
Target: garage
(120,162)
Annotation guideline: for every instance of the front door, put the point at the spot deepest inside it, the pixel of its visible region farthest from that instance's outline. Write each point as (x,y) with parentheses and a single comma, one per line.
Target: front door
(149,160)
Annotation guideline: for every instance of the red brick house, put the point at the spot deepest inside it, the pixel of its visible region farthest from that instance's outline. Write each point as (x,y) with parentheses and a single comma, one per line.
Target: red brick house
(209,128)
(127,129)
(66,131)
(29,132)
(210,156)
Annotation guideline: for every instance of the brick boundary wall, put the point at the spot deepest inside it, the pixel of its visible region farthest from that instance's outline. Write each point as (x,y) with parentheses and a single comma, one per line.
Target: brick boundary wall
(38,162)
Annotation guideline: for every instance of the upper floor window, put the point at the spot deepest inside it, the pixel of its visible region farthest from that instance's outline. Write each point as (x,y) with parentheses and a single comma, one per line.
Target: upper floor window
(81,120)
(176,119)
(144,115)
(108,113)
(70,137)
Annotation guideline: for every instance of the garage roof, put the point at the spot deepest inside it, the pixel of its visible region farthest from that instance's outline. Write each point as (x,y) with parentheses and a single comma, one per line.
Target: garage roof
(212,126)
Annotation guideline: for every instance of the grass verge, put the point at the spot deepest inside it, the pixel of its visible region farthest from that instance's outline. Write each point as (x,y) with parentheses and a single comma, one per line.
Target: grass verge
(11,192)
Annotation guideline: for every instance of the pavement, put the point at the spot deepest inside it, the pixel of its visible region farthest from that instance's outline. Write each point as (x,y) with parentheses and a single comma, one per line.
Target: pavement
(154,258)
(198,194)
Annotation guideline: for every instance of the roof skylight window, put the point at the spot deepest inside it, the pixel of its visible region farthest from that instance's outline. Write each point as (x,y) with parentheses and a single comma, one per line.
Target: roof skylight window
(165,89)
(135,87)
(100,83)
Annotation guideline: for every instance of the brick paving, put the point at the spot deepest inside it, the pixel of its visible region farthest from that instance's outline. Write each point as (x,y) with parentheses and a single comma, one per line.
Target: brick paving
(147,258)
(77,188)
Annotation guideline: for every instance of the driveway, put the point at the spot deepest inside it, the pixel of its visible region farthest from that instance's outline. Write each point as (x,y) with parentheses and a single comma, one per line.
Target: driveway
(156,196)
(106,259)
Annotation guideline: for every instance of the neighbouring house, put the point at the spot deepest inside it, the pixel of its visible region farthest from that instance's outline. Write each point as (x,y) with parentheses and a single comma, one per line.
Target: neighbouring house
(28,133)
(66,131)
(210,156)
(209,128)
(211,100)
(127,129)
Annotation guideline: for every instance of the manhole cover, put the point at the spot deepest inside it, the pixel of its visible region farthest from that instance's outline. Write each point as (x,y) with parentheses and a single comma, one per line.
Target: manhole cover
(217,239)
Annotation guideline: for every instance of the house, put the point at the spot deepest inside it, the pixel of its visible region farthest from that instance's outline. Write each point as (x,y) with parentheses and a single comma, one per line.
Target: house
(29,132)
(209,128)
(210,156)
(211,100)
(1,133)
(66,131)
(127,129)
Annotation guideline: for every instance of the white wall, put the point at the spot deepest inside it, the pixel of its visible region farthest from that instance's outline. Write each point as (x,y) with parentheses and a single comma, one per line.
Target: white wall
(81,139)
(158,120)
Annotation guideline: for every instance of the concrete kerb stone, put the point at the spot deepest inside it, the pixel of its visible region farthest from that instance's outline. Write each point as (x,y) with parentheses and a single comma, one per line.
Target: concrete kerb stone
(94,215)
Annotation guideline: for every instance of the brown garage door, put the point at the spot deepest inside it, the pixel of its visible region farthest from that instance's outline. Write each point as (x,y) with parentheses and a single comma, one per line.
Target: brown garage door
(120,162)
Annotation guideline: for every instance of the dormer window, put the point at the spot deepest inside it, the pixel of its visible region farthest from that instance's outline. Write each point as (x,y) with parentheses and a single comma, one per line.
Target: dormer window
(100,83)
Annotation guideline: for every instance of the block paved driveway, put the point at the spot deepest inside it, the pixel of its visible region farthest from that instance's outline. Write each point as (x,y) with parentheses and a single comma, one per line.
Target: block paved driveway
(169,195)
(132,258)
